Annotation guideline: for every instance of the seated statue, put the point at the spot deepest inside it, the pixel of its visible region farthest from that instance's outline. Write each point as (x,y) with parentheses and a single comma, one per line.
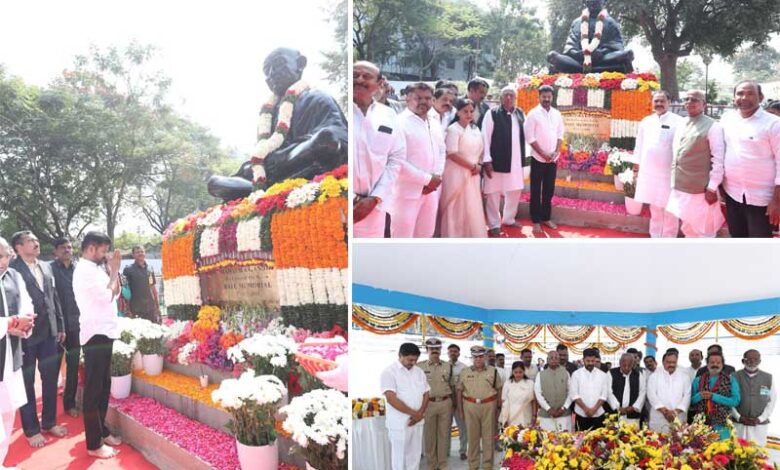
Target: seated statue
(301,140)
(604,53)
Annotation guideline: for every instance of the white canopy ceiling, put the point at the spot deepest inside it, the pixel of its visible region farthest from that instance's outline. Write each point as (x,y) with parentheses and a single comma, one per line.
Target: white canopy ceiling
(618,276)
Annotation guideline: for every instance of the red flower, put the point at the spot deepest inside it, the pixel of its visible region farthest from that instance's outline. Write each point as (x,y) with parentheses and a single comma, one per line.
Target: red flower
(721,460)
(743,442)
(643,463)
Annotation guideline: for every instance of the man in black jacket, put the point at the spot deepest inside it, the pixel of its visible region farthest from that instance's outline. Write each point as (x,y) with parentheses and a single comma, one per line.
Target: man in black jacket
(62,267)
(41,348)
(628,393)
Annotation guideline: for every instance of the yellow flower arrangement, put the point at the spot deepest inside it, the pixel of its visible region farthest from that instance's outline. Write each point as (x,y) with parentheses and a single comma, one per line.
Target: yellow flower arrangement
(284,186)
(329,187)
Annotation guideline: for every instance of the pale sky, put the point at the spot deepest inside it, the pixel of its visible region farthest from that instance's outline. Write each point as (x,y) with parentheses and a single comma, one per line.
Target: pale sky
(213,51)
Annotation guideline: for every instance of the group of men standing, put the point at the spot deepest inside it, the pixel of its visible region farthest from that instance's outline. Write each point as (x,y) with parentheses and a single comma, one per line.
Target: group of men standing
(686,165)
(422,398)
(55,309)
(399,158)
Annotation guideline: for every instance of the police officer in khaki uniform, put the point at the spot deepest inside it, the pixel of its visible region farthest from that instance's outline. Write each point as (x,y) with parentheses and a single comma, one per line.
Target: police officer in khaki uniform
(438,415)
(479,393)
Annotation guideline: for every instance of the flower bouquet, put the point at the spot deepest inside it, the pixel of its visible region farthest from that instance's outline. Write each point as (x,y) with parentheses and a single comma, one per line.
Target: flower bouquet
(151,345)
(367,407)
(318,422)
(252,401)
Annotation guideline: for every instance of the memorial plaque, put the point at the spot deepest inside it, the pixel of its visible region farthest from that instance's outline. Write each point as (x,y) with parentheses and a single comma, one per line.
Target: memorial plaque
(593,125)
(254,285)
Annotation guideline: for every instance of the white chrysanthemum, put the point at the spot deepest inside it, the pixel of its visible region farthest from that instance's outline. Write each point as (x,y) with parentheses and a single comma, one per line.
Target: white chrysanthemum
(123,349)
(319,416)
(249,389)
(564,82)
(211,218)
(627,176)
(248,234)
(629,84)
(209,242)
(185,352)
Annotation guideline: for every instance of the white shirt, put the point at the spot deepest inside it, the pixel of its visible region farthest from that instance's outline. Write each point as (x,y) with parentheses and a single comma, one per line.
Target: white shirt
(500,182)
(653,152)
(540,398)
(752,160)
(669,391)
(640,399)
(590,387)
(12,391)
(444,119)
(97,303)
(425,154)
(377,154)
(545,128)
(409,386)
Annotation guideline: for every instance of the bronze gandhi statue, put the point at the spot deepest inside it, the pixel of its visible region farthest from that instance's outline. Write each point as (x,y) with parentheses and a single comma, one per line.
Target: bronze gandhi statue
(315,143)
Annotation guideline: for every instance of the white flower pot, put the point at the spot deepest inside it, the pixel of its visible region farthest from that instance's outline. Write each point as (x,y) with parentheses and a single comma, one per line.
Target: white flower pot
(633,207)
(618,183)
(258,457)
(153,364)
(138,363)
(120,386)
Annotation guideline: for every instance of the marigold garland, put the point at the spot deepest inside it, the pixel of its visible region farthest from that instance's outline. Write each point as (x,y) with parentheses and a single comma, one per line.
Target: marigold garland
(311,237)
(455,329)
(177,256)
(691,333)
(624,334)
(517,333)
(631,105)
(382,324)
(755,329)
(527,99)
(571,334)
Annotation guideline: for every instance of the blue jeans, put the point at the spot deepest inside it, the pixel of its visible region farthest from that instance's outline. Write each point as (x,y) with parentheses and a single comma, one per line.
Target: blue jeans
(46,355)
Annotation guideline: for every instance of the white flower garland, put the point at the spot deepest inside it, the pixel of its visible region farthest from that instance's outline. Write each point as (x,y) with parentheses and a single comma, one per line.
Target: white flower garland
(302,195)
(248,234)
(565,97)
(588,47)
(621,128)
(629,84)
(183,290)
(301,286)
(596,98)
(564,82)
(268,142)
(211,218)
(209,242)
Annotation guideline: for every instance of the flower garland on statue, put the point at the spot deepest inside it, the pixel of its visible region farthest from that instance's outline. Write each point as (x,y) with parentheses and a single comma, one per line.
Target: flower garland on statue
(269,142)
(589,46)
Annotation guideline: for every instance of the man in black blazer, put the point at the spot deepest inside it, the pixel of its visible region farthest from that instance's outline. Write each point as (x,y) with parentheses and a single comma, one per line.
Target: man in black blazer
(41,348)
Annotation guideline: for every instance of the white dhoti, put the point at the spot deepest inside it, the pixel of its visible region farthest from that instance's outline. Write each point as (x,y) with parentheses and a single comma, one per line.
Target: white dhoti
(12,395)
(659,424)
(373,226)
(561,424)
(406,447)
(699,218)
(415,217)
(493,204)
(663,224)
(756,434)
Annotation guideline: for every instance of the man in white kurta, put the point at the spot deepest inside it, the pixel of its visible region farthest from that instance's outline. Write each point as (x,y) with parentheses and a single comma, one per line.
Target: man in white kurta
(544,133)
(417,198)
(18,323)
(654,154)
(697,170)
(589,390)
(502,129)
(406,391)
(552,418)
(669,394)
(378,149)
(758,399)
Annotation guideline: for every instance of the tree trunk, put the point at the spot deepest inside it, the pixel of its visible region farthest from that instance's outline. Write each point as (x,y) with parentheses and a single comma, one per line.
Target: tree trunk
(668,64)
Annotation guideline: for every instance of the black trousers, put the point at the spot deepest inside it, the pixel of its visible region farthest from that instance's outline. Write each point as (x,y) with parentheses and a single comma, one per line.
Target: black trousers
(745,220)
(542,190)
(97,386)
(587,424)
(73,348)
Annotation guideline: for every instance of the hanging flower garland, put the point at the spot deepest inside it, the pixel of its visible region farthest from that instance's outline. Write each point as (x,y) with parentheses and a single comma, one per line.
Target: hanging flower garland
(596,99)
(631,105)
(176,256)
(754,328)
(623,334)
(382,321)
(570,335)
(686,333)
(517,347)
(268,142)
(590,46)
(518,333)
(455,329)
(527,99)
